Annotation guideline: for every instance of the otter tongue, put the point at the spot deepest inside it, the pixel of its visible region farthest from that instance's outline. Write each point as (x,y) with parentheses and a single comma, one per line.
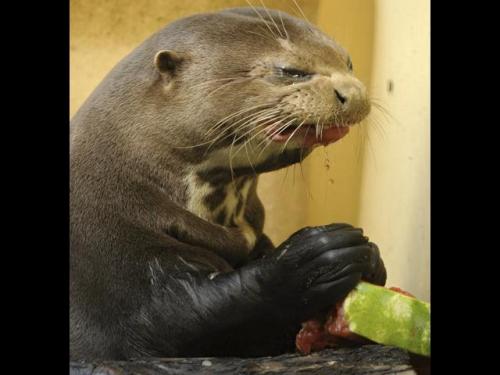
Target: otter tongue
(328,136)
(307,135)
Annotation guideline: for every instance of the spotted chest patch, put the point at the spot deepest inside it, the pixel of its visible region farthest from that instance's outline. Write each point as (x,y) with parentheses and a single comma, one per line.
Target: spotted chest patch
(222,204)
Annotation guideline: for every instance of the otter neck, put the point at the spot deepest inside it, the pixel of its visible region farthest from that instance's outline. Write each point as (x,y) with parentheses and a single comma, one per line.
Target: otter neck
(222,202)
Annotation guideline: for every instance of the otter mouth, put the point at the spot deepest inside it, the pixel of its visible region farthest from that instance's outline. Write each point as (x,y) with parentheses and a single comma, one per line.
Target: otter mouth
(307,136)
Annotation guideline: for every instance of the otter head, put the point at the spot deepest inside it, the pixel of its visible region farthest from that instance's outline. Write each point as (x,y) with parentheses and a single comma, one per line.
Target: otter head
(255,89)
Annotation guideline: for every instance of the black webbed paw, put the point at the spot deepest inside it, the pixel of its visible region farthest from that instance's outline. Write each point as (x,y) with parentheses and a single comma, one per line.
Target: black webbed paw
(317,266)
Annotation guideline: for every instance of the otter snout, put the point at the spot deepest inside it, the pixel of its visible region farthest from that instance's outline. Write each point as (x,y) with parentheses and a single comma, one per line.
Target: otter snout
(341,97)
(350,97)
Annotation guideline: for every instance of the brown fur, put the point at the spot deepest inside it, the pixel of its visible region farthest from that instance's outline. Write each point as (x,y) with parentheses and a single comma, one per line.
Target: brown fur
(133,170)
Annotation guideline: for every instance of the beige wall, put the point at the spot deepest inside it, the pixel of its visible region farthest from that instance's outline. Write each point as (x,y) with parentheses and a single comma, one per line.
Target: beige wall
(334,172)
(382,184)
(395,197)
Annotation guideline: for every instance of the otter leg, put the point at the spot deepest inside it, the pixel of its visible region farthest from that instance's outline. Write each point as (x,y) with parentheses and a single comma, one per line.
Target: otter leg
(199,313)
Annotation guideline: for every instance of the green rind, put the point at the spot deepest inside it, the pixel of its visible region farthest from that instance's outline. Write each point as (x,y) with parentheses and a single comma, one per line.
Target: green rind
(388,317)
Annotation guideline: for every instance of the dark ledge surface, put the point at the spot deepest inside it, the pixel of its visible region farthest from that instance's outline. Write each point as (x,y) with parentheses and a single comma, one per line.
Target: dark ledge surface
(368,359)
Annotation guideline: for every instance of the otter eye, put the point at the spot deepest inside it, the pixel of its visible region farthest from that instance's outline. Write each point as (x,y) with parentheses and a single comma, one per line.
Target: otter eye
(293,73)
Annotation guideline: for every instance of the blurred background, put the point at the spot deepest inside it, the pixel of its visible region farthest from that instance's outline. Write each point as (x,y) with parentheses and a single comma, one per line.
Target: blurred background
(378,177)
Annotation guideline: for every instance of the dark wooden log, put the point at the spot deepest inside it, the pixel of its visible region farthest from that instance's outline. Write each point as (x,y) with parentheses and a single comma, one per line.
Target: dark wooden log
(368,359)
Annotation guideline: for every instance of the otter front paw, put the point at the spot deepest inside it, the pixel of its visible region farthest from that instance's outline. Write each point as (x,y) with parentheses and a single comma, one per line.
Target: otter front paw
(316,267)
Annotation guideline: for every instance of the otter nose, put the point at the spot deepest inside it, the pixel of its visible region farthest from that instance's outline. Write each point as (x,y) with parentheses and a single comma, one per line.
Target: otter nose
(341,98)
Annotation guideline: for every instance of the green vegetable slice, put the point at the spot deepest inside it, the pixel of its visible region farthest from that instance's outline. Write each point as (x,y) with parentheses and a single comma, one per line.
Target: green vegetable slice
(388,317)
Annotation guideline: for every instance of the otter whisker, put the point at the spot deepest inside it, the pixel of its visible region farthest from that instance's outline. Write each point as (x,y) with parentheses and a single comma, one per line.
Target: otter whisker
(370,149)
(317,128)
(378,136)
(379,103)
(253,126)
(230,83)
(283,24)
(336,119)
(252,123)
(293,133)
(221,136)
(323,125)
(353,144)
(303,15)
(284,178)
(256,118)
(301,169)
(248,123)
(231,161)
(234,114)
(377,127)
(272,121)
(302,148)
(229,117)
(268,139)
(249,160)
(209,142)
(261,35)
(213,81)
(232,156)
(300,10)
(272,19)
(305,182)
(263,20)
(281,128)
(194,146)
(361,142)
(293,10)
(246,142)
(383,111)
(261,115)
(265,31)
(263,126)
(245,120)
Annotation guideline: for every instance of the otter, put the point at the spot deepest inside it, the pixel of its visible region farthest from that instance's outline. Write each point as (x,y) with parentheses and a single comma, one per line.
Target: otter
(167,251)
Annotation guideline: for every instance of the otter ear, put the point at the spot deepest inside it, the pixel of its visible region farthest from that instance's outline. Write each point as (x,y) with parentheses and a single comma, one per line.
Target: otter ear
(167,62)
